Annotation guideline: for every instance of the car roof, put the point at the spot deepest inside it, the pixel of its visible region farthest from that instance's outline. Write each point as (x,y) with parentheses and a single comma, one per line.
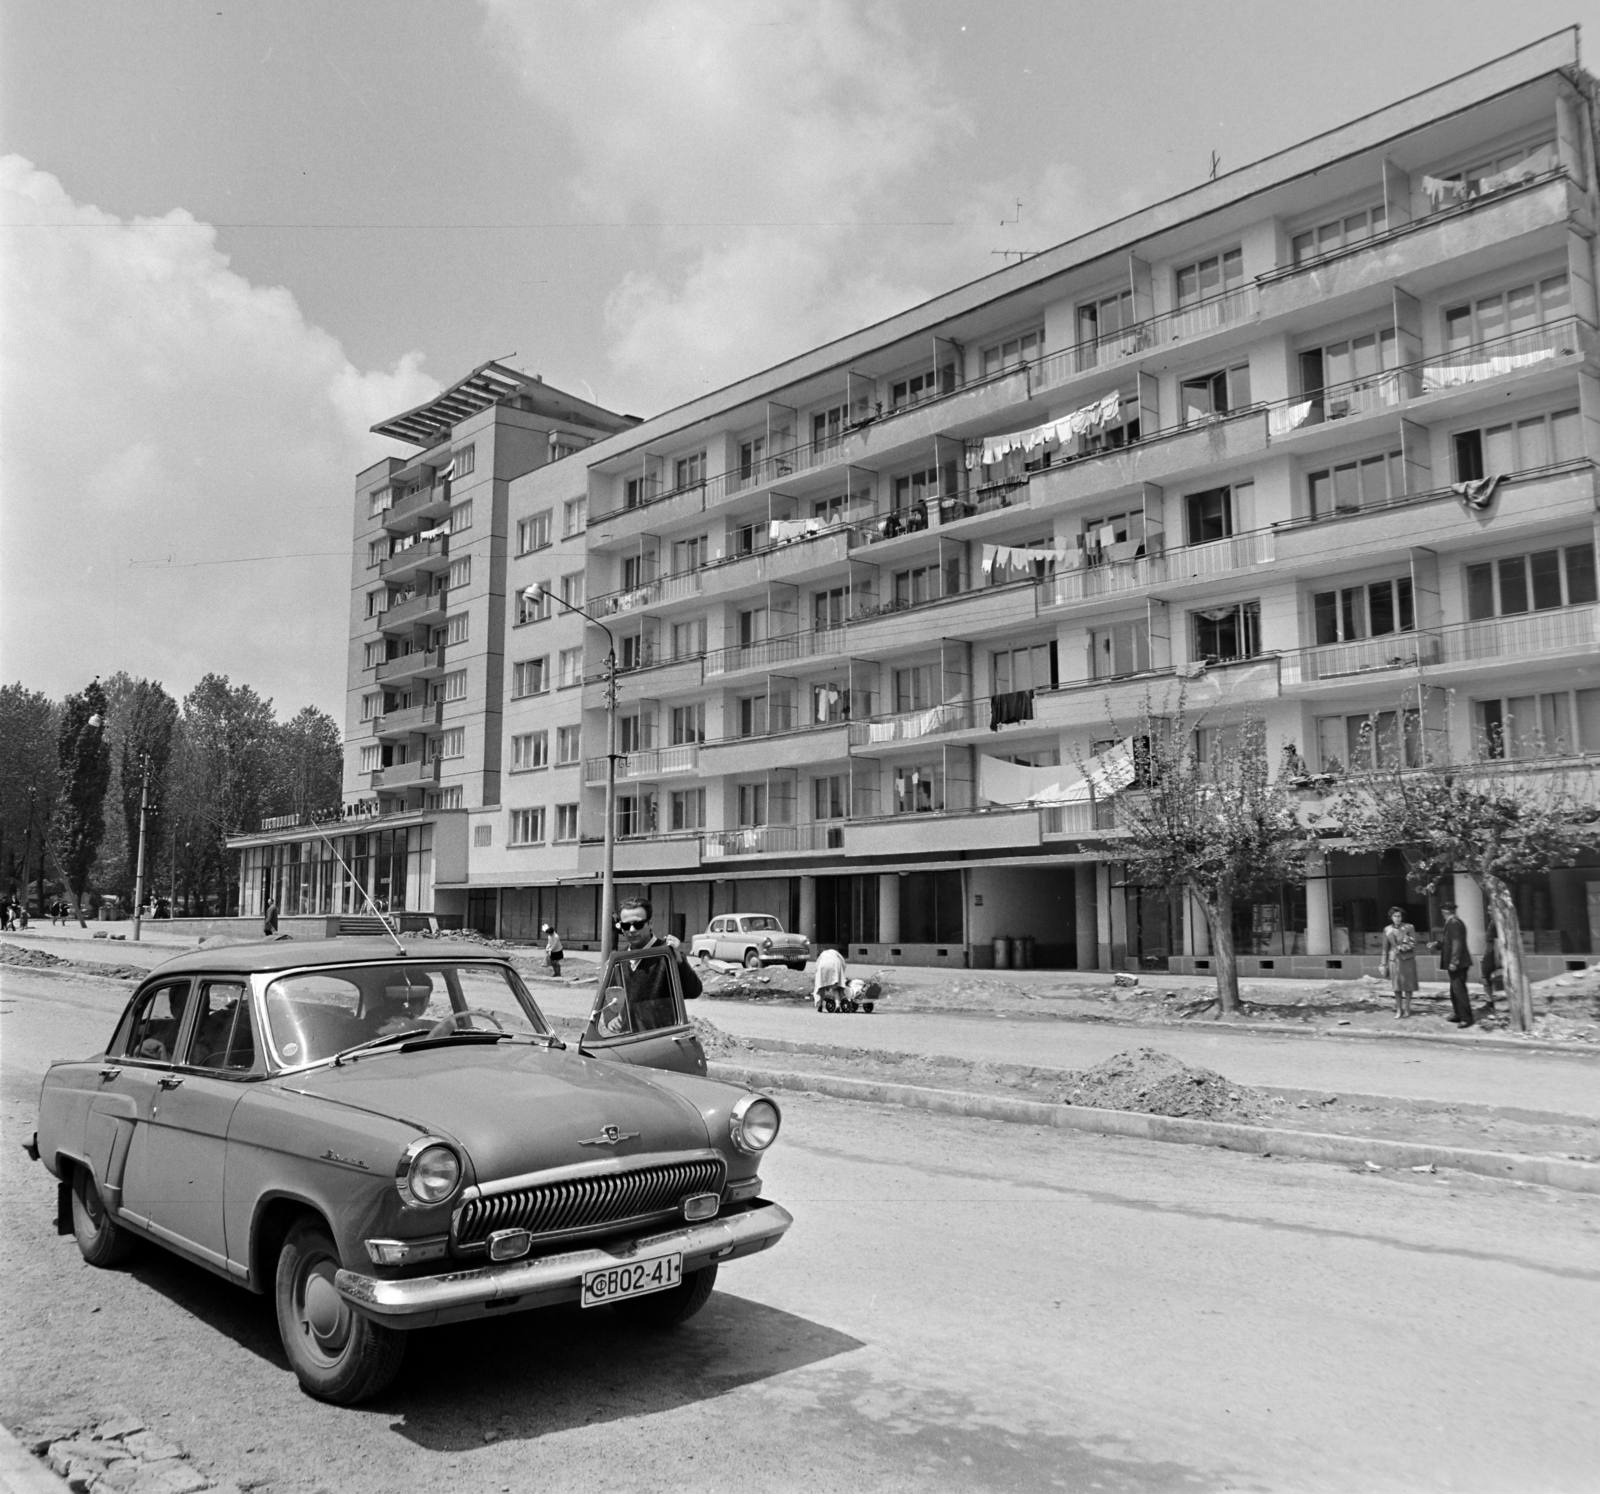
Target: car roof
(295,954)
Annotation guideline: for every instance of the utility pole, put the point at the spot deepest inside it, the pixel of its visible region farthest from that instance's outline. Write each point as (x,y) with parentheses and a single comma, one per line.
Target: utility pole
(138,874)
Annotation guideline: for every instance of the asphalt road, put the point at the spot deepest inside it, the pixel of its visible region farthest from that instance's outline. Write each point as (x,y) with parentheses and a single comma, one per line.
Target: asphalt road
(960,1305)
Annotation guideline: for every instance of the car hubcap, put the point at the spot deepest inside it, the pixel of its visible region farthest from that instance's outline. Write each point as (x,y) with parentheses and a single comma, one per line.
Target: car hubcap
(325,1315)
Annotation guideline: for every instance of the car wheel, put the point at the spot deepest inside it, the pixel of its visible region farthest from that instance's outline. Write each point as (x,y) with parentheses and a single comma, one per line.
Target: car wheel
(752,960)
(866,1006)
(337,1354)
(101,1240)
(676,1305)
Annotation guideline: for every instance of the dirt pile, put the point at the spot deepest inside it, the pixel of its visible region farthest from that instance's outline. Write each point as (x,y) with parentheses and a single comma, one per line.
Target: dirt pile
(730,983)
(35,959)
(720,1044)
(1156,1083)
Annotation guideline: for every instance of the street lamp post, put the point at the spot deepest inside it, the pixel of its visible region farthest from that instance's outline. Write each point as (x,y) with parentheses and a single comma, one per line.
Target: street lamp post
(608,874)
(138,874)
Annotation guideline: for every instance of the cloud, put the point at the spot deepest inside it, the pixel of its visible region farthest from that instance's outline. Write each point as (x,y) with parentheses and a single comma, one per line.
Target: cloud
(154,403)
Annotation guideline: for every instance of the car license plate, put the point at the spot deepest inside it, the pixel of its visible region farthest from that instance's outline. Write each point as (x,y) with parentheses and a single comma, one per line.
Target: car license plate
(633,1279)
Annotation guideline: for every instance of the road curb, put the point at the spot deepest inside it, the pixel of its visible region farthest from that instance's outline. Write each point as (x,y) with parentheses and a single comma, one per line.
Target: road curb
(1556,1172)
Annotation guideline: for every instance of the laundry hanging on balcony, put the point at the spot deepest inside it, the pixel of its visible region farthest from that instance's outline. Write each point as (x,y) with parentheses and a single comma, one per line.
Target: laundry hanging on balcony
(436,532)
(1090,418)
(1449,375)
(1009,708)
(1003,563)
(782,531)
(1002,782)
(1285,418)
(1479,494)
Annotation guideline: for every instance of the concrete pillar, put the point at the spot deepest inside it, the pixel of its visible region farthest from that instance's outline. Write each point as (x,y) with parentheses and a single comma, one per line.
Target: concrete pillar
(1470,910)
(1102,909)
(1319,907)
(1117,899)
(889,908)
(1085,919)
(808,908)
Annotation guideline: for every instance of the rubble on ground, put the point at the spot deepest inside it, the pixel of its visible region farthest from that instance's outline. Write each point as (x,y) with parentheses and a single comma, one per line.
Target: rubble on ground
(111,1451)
(1156,1083)
(39,959)
(15,954)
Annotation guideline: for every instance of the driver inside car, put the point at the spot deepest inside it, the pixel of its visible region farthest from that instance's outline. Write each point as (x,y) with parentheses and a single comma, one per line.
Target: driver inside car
(397,1008)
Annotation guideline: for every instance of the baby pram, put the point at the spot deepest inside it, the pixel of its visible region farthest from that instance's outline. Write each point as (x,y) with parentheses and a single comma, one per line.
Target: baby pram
(852,996)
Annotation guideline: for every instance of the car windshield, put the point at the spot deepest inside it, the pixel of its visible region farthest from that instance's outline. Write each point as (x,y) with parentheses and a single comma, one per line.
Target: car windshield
(762,924)
(317,1014)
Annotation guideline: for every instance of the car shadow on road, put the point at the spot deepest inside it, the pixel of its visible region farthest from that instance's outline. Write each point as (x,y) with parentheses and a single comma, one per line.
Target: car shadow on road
(523,1377)
(245,1317)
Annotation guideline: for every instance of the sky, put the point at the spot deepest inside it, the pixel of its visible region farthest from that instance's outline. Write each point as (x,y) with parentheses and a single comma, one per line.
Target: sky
(235,236)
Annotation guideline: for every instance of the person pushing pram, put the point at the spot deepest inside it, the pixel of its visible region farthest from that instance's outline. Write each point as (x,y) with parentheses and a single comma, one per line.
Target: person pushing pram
(834,991)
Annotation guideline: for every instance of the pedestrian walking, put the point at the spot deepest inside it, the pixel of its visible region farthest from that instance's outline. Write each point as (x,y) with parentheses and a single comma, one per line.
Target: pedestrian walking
(1456,960)
(552,949)
(1400,960)
(269,922)
(1489,969)
(5,913)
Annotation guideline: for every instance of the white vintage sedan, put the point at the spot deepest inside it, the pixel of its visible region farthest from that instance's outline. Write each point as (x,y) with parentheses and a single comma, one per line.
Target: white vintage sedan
(751,940)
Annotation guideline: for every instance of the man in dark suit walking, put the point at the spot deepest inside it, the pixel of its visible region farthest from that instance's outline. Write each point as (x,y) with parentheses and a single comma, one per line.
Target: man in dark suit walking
(1456,960)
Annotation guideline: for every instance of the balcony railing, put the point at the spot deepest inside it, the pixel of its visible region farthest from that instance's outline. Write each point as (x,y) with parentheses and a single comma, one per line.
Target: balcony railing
(1502,355)
(1185,563)
(655,762)
(403,722)
(1086,818)
(812,644)
(1528,636)
(423,553)
(774,840)
(910,726)
(1337,660)
(408,666)
(413,612)
(405,775)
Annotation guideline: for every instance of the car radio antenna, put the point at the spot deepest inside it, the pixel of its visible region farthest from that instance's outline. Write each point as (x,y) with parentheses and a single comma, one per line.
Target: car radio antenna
(388,928)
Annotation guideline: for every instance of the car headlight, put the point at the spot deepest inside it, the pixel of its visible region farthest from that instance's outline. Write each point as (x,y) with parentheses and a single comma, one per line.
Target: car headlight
(753,1124)
(767,942)
(428,1172)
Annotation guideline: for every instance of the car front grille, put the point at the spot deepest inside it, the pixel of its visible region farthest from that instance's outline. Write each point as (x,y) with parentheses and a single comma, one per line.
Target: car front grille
(585,1204)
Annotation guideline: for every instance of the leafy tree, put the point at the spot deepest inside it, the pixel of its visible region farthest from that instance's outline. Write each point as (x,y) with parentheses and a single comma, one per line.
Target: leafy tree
(308,765)
(1494,820)
(84,758)
(1220,827)
(29,721)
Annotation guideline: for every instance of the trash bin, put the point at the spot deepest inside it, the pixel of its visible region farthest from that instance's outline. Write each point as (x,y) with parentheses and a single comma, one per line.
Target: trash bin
(1002,954)
(1022,952)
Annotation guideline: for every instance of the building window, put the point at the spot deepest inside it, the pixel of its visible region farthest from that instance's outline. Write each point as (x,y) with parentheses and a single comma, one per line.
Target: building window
(752,454)
(1225,392)
(828,426)
(917,790)
(574,516)
(1539,582)
(377,551)
(690,554)
(1105,316)
(448,744)
(371,706)
(375,653)
(1552,724)
(636,814)
(752,715)
(688,724)
(635,652)
(460,572)
(564,444)
(1371,611)
(752,805)
(689,809)
(830,702)
(1122,648)
(572,589)
(689,638)
(527,827)
(566,822)
(529,750)
(1223,633)
(828,609)
(530,677)
(1031,668)
(1013,352)
(533,533)
(465,460)
(1213,276)
(380,502)
(535,608)
(1366,482)
(1338,364)
(483,835)
(690,471)
(461,517)
(371,758)
(378,602)
(1517,446)
(914,688)
(1377,739)
(447,798)
(830,797)
(569,665)
(455,628)
(915,488)
(1339,233)
(917,388)
(1507,312)
(452,687)
(569,744)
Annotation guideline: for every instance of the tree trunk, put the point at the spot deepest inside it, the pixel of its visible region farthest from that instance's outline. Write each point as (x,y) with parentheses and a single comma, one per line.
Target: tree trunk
(1508,927)
(1224,961)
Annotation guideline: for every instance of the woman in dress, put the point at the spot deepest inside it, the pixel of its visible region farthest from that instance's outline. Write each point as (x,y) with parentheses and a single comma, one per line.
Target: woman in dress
(1400,959)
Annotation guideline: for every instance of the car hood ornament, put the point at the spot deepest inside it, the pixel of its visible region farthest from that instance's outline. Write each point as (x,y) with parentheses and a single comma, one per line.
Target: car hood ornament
(609,1136)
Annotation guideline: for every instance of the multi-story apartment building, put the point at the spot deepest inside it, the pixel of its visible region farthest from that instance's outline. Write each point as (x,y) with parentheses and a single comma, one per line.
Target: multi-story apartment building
(1313,442)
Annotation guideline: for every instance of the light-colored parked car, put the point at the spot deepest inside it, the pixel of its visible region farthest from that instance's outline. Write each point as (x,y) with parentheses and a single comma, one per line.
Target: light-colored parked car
(386,1140)
(751,940)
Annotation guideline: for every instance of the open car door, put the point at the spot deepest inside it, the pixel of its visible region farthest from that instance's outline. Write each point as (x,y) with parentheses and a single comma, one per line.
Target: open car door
(639,1016)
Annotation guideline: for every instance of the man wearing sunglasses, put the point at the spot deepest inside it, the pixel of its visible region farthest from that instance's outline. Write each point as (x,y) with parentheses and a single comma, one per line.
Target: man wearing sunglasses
(649,985)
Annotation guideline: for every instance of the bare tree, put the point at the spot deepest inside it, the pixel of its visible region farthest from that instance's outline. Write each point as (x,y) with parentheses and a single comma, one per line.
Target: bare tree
(1495,820)
(1204,813)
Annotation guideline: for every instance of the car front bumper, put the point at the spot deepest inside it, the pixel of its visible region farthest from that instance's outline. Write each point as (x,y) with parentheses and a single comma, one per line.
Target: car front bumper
(516,1286)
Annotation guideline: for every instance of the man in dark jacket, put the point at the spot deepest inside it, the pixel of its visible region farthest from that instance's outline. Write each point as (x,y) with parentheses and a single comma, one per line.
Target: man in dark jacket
(649,986)
(1456,960)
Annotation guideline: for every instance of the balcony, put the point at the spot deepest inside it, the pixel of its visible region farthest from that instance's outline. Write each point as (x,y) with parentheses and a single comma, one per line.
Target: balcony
(798,748)
(1081,821)
(419,664)
(826,643)
(1124,578)
(1535,635)
(817,838)
(416,612)
(420,558)
(657,762)
(1074,704)
(1340,660)
(430,502)
(653,594)
(945,832)
(394,726)
(650,678)
(406,775)
(915,726)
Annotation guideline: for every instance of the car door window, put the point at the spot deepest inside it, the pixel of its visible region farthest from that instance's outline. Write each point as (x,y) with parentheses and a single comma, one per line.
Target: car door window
(151,1029)
(222,1037)
(641,995)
